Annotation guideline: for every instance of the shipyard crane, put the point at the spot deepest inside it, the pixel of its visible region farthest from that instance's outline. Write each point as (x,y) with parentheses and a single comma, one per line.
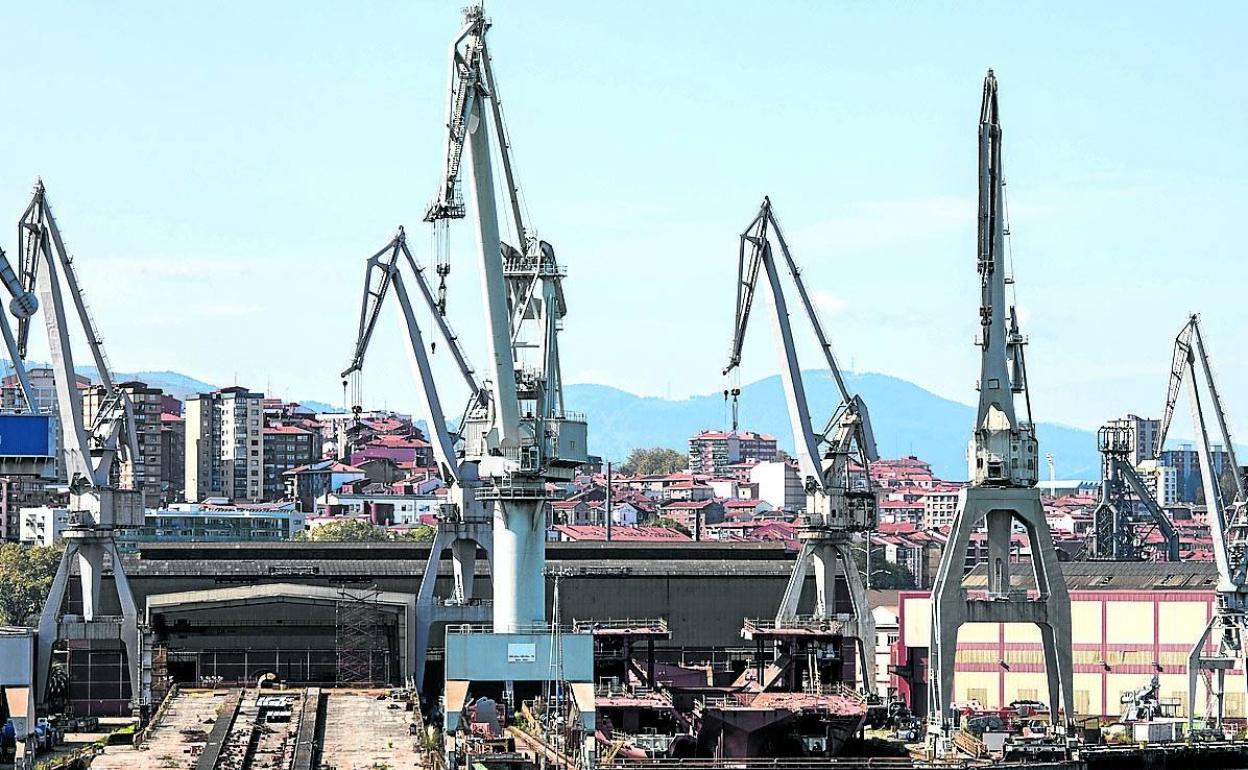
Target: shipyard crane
(523,438)
(1228,521)
(834,462)
(1003,464)
(90,451)
(515,435)
(383,271)
(1114,532)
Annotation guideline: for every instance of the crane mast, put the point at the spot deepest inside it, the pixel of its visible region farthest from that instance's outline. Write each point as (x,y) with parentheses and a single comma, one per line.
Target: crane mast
(525,438)
(834,463)
(1227,629)
(90,450)
(1003,468)
(515,435)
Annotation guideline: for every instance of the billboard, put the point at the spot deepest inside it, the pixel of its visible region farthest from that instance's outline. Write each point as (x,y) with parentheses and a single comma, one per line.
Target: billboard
(26,435)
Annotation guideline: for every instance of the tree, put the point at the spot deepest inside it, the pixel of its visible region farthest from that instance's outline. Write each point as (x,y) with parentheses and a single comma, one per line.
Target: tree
(654,461)
(663,521)
(885,575)
(421,534)
(26,574)
(347,531)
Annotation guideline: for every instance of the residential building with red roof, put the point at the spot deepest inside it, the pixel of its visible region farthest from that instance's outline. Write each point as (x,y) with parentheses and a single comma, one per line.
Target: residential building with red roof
(286,447)
(712,452)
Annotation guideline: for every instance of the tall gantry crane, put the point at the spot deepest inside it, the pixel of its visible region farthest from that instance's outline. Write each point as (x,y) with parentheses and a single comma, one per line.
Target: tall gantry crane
(1003,467)
(525,437)
(90,451)
(515,435)
(1228,521)
(1115,534)
(834,463)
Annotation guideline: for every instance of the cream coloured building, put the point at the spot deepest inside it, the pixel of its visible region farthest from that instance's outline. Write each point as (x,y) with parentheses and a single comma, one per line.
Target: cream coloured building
(1130,620)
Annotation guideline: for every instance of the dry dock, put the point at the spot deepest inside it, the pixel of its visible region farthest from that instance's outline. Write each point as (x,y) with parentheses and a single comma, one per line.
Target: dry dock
(296,729)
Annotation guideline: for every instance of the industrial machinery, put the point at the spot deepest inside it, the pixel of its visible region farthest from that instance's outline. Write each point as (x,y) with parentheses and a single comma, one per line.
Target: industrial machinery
(465,524)
(834,463)
(1003,467)
(1126,502)
(27,433)
(1228,523)
(515,436)
(91,451)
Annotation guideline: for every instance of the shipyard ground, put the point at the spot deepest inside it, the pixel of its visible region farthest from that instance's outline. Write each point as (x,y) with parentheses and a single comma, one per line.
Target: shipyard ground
(293,729)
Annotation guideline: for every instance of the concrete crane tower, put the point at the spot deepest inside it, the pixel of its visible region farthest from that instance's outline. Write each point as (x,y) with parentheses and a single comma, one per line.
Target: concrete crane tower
(97,507)
(1221,644)
(515,436)
(1003,467)
(835,462)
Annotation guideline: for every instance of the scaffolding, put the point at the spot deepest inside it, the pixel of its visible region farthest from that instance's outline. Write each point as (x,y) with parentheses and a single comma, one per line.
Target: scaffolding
(360,638)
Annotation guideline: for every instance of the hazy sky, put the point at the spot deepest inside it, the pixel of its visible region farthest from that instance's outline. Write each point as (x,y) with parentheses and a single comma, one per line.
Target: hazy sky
(221,171)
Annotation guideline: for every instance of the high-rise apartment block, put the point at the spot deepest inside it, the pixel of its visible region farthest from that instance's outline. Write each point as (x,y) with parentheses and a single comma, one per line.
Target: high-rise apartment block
(711,452)
(1143,436)
(225,445)
(286,447)
(141,472)
(172,453)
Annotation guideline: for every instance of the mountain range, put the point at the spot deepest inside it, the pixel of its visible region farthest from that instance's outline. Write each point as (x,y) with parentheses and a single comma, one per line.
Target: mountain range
(906,419)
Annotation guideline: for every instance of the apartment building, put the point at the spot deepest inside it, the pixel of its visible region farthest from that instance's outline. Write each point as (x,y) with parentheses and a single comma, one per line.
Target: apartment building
(225,445)
(141,472)
(712,452)
(172,454)
(286,447)
(1143,436)
(940,505)
(16,493)
(779,484)
(1186,464)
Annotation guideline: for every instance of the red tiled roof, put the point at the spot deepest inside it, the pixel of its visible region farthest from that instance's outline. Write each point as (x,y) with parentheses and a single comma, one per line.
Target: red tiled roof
(687,504)
(285,429)
(630,534)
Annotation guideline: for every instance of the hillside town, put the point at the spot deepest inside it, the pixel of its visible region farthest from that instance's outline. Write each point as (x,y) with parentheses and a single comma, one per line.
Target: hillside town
(233,465)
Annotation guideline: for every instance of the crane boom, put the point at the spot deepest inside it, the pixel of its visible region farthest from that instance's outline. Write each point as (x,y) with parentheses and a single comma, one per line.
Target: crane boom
(834,464)
(375,296)
(1228,521)
(97,507)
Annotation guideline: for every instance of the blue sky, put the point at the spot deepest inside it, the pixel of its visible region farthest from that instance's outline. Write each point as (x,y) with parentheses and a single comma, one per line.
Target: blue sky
(222,170)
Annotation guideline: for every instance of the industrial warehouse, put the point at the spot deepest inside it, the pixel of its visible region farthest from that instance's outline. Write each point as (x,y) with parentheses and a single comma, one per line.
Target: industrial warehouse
(472,588)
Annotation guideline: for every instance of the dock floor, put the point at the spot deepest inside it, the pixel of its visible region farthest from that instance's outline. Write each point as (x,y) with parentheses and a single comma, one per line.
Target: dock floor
(362,731)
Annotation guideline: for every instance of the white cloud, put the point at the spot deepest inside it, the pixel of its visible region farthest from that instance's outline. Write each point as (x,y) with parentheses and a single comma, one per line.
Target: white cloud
(827,303)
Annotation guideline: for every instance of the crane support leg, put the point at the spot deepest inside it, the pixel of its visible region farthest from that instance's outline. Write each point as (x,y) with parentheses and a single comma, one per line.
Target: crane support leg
(864,621)
(88,548)
(462,537)
(797,581)
(952,607)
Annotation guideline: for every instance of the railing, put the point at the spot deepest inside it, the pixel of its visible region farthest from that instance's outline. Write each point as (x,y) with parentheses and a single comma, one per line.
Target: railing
(523,628)
(799,623)
(648,625)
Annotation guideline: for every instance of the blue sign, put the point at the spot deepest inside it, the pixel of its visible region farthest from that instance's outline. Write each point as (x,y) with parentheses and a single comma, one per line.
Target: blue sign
(25,435)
